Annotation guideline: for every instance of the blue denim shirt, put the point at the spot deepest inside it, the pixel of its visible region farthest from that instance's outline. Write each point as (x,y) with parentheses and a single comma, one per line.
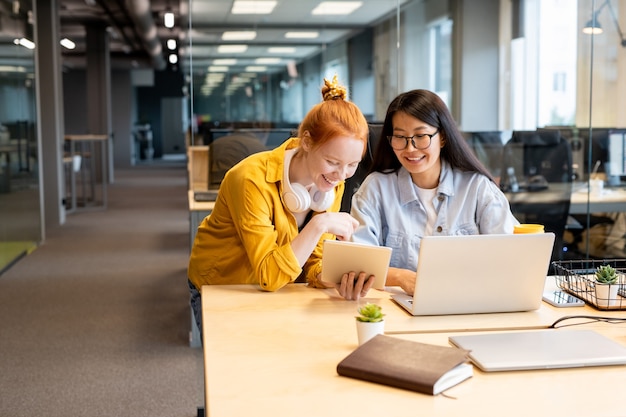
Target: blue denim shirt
(391,214)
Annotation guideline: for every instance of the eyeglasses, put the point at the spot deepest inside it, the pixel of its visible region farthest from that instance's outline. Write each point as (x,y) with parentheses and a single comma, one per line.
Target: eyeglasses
(400,143)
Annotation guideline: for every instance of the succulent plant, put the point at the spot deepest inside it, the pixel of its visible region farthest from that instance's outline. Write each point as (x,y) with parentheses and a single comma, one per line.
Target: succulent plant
(370,313)
(606,274)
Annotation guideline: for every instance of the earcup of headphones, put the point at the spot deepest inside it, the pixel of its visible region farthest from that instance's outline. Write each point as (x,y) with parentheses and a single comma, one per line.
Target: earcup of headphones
(321,201)
(296,197)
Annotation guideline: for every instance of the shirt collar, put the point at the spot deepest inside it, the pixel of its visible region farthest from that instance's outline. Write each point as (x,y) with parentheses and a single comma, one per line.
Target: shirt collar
(407,188)
(276,161)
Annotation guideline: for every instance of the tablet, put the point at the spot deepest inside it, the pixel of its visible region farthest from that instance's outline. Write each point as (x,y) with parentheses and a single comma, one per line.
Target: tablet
(340,257)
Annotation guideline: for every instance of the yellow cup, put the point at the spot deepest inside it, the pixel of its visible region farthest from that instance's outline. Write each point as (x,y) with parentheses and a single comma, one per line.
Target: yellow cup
(528,228)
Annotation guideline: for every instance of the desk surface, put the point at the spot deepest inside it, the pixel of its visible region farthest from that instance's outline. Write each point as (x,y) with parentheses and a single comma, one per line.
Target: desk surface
(204,206)
(86,137)
(611,200)
(276,354)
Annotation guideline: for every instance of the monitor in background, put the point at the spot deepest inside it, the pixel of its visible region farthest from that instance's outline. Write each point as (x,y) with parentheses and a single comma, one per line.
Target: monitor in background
(599,148)
(616,165)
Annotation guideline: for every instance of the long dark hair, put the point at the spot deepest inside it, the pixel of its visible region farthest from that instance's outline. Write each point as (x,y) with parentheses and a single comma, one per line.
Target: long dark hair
(430,109)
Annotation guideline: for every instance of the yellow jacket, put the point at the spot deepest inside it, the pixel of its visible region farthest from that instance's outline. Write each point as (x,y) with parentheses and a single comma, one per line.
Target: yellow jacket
(247,238)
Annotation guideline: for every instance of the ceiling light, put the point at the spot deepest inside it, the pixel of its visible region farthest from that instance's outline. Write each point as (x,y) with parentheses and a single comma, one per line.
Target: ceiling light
(68,44)
(267,60)
(25,43)
(218,68)
(171,44)
(231,49)
(592,28)
(256,68)
(253,7)
(302,35)
(242,35)
(224,61)
(173,58)
(336,7)
(11,68)
(168,19)
(281,50)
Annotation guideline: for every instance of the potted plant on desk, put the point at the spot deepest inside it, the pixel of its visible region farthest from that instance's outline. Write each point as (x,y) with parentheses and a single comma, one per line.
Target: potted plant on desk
(369,322)
(606,286)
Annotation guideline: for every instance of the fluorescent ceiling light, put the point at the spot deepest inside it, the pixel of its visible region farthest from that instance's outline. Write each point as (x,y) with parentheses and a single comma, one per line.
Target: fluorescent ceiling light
(10,68)
(281,50)
(171,44)
(256,68)
(302,35)
(225,61)
(68,44)
(168,19)
(173,58)
(253,7)
(231,49)
(336,7)
(218,68)
(240,35)
(267,60)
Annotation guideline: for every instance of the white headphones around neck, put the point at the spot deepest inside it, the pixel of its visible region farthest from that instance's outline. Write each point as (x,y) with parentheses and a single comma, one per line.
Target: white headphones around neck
(297,198)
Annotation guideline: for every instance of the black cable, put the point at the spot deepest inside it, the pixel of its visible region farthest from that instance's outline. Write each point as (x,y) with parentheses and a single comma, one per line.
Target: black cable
(610,320)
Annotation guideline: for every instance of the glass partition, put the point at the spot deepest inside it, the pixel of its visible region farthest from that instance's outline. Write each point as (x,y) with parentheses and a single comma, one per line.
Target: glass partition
(505,69)
(20,224)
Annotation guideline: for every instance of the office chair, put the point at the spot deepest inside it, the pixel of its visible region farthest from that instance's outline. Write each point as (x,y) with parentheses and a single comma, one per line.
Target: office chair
(548,156)
(488,148)
(354,182)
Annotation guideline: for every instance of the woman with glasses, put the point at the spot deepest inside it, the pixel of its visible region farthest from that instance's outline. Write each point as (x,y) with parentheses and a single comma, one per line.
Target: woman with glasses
(424,180)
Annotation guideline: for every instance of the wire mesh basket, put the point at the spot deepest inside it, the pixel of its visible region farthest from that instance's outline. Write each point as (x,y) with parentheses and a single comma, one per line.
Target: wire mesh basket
(577,277)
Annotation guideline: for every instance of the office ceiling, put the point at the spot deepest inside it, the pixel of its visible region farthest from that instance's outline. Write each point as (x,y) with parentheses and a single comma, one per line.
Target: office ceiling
(130,47)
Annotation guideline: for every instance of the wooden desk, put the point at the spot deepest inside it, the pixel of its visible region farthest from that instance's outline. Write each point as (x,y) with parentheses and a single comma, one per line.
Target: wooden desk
(611,200)
(276,354)
(198,210)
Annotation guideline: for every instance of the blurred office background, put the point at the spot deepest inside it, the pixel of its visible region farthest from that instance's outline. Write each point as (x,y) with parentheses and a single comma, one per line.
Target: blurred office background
(132,91)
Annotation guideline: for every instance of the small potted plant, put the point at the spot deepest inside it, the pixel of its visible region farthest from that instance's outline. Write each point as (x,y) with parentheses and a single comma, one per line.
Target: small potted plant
(606,285)
(369,322)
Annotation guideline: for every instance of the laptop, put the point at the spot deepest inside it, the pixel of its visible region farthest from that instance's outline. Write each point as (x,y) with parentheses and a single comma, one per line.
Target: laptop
(340,257)
(479,274)
(540,349)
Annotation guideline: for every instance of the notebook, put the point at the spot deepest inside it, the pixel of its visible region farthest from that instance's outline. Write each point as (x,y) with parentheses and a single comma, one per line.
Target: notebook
(541,349)
(340,257)
(479,274)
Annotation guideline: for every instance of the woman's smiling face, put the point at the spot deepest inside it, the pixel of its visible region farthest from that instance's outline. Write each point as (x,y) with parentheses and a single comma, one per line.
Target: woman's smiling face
(424,165)
(334,161)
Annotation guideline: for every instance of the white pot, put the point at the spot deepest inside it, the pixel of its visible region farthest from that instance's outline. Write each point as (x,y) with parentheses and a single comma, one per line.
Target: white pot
(366,330)
(606,294)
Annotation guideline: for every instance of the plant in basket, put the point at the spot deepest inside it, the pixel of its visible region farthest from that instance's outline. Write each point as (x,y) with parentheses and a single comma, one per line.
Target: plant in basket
(606,285)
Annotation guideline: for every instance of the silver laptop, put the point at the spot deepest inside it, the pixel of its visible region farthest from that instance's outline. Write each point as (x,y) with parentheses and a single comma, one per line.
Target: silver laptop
(479,274)
(541,349)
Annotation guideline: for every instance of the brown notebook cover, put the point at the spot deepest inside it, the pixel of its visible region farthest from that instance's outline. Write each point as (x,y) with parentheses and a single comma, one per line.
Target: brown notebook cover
(401,363)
